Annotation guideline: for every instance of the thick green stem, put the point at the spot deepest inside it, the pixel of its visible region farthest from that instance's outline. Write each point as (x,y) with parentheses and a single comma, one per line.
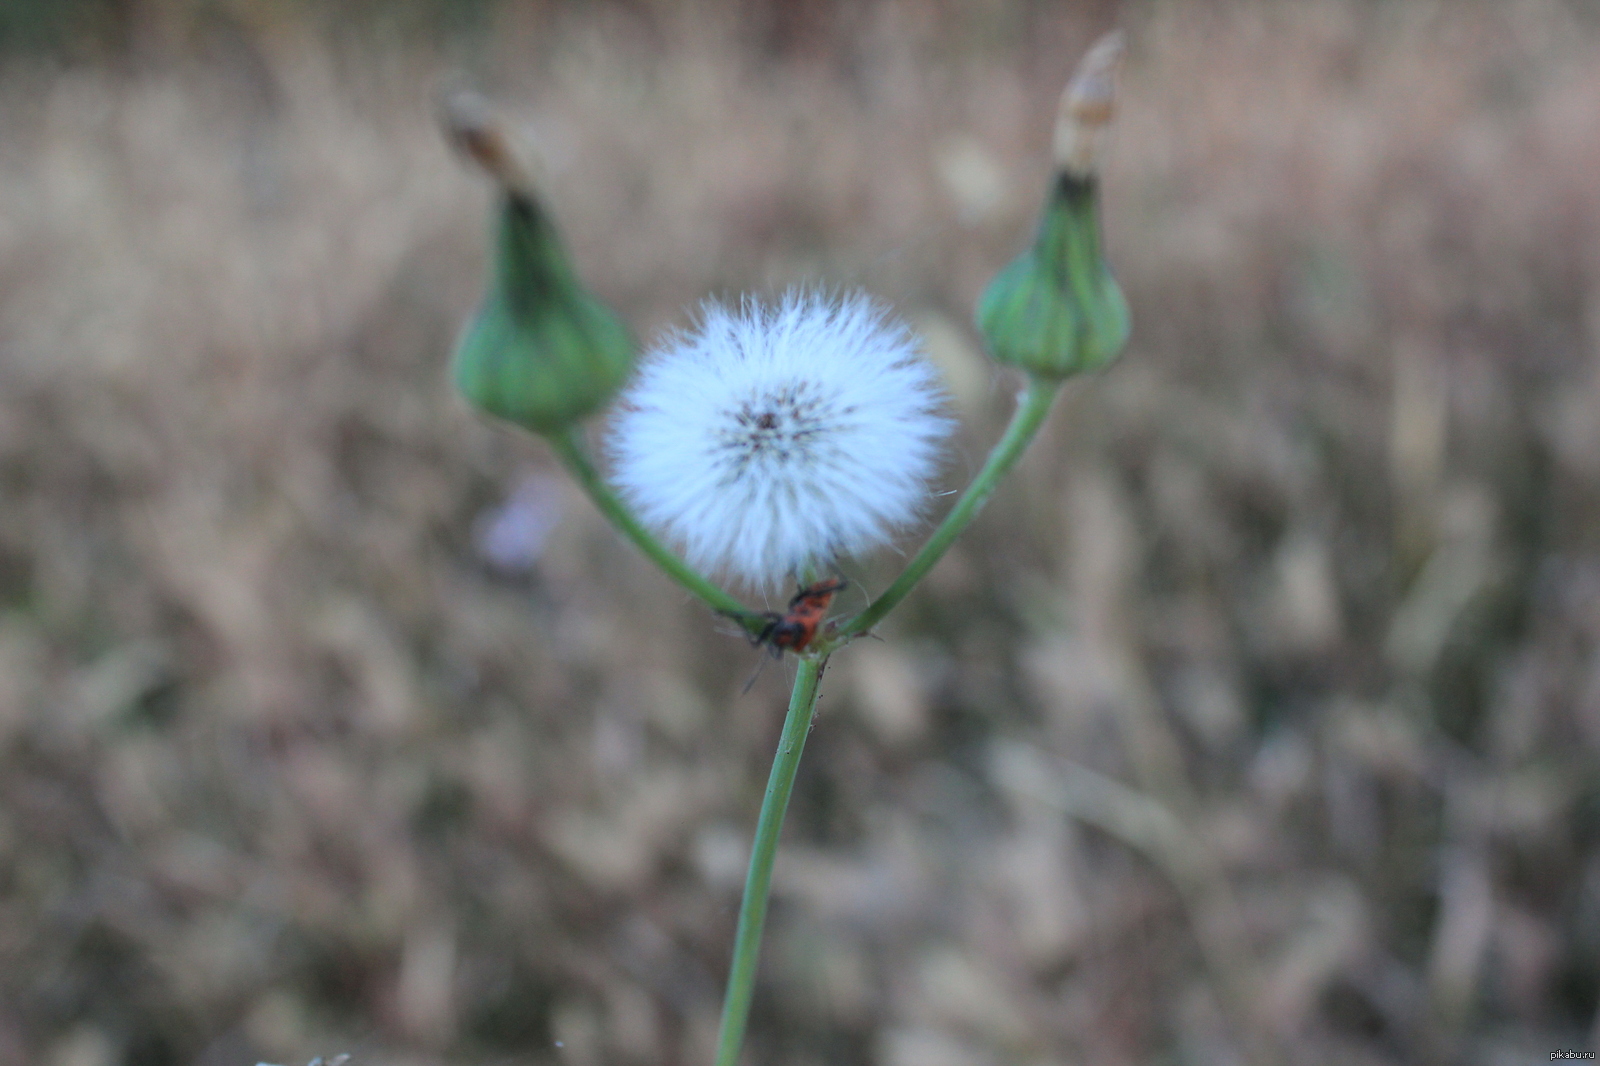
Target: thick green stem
(753,909)
(1030,414)
(574,456)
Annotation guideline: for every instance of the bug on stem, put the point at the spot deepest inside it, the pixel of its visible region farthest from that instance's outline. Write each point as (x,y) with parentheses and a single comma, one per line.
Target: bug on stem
(794,629)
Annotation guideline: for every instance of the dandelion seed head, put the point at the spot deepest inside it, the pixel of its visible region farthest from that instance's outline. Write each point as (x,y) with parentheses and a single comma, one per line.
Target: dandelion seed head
(771,439)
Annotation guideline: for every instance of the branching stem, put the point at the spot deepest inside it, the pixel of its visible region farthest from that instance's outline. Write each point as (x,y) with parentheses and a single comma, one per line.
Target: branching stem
(1032,408)
(574,455)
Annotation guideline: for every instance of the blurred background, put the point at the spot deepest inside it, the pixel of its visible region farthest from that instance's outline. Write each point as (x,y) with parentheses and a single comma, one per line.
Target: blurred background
(1256,721)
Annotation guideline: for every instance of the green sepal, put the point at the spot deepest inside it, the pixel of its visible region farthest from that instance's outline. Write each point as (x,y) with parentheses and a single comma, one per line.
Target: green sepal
(542,351)
(1056,310)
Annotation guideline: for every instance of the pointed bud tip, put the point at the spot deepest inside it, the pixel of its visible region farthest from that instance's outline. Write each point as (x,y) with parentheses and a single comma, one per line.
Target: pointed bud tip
(542,351)
(1087,105)
(473,127)
(1056,310)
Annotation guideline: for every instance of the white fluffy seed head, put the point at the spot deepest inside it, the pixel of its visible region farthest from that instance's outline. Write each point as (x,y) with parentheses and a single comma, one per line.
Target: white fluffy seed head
(771,439)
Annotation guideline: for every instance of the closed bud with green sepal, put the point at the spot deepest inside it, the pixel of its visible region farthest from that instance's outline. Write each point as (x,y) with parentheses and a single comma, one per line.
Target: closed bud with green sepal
(542,352)
(1056,310)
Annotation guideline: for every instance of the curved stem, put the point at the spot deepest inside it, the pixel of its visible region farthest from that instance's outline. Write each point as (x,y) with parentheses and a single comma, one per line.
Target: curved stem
(1032,408)
(574,456)
(753,908)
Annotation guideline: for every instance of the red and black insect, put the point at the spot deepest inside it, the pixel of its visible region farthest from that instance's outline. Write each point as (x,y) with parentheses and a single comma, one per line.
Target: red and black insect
(795,629)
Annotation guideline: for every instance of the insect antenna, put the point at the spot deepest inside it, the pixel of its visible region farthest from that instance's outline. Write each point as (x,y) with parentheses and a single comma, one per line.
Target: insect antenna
(761,662)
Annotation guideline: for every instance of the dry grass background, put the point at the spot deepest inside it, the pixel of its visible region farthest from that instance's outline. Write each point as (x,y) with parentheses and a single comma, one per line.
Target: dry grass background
(1258,719)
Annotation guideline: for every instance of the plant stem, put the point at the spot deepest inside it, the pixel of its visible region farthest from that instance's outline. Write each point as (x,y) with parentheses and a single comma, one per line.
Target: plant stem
(570,449)
(753,908)
(1032,408)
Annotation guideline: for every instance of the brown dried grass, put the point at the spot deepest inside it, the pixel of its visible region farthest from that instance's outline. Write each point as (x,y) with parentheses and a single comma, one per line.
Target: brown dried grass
(1258,716)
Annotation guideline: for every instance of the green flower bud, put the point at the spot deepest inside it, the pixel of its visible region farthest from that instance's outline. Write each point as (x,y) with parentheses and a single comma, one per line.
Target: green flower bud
(1056,310)
(542,352)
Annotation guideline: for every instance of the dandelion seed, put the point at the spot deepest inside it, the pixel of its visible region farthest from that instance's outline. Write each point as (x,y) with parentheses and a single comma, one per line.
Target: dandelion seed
(770,440)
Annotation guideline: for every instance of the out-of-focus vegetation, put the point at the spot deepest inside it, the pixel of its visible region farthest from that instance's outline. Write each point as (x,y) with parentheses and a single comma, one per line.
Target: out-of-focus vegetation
(1259,716)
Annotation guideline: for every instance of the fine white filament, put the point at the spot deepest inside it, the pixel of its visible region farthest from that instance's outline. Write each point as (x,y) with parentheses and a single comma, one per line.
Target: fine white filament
(772,439)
